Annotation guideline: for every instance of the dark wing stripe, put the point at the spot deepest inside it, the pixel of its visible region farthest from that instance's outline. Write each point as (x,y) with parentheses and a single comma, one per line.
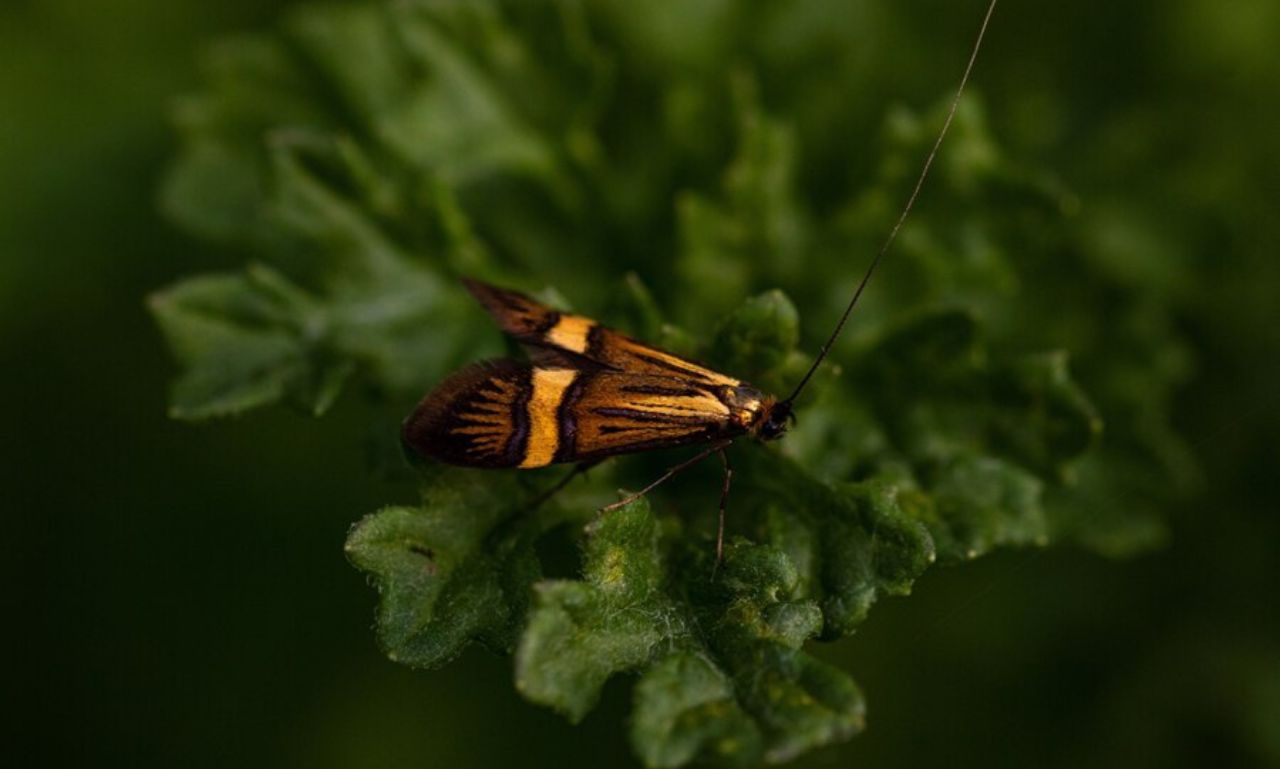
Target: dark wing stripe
(646,416)
(668,407)
(547,324)
(645,428)
(650,389)
(518,444)
(669,366)
(595,342)
(567,418)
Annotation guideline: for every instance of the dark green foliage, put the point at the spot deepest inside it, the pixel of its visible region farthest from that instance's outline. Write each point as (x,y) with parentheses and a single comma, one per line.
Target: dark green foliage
(722,671)
(368,155)
(248,340)
(720,662)
(458,568)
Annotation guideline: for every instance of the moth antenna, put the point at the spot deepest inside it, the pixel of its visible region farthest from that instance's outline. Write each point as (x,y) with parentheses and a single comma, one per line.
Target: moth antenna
(911,200)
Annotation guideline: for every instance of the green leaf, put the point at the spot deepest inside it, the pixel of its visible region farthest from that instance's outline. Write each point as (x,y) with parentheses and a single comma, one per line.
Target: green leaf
(758,338)
(374,306)
(724,675)
(1044,419)
(482,133)
(247,341)
(218,185)
(851,543)
(685,708)
(581,633)
(757,630)
(453,570)
(975,433)
(982,503)
(754,220)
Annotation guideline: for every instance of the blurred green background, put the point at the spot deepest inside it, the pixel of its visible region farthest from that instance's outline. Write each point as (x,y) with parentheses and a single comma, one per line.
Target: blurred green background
(178,597)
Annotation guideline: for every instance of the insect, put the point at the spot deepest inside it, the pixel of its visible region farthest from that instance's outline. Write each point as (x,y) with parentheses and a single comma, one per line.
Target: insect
(588,392)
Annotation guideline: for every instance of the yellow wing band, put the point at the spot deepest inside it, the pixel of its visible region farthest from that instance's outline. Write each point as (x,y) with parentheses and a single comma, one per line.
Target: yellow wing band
(570,333)
(549,386)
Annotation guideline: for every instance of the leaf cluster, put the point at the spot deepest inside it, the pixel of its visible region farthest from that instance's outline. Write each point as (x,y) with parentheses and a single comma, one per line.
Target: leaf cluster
(364,156)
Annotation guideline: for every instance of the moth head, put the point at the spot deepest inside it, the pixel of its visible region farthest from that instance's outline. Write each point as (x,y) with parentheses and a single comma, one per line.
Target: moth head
(778,418)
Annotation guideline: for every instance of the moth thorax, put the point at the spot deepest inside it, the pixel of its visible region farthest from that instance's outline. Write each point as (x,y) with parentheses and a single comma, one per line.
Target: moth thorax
(746,406)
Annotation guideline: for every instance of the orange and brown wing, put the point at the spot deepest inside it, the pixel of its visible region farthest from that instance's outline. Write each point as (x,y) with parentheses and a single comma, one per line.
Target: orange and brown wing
(479,417)
(609,413)
(510,414)
(538,326)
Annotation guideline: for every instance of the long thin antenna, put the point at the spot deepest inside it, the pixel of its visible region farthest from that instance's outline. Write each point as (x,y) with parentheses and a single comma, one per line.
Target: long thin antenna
(924,172)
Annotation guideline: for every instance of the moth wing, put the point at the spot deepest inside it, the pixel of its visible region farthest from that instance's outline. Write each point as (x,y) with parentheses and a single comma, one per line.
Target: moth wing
(539,327)
(620,351)
(519,316)
(478,417)
(609,412)
(506,413)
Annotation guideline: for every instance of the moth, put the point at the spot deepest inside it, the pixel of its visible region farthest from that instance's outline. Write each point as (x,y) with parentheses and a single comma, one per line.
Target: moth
(589,392)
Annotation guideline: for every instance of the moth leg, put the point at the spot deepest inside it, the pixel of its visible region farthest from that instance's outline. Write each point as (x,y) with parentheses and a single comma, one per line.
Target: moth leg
(685,465)
(580,469)
(724,498)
